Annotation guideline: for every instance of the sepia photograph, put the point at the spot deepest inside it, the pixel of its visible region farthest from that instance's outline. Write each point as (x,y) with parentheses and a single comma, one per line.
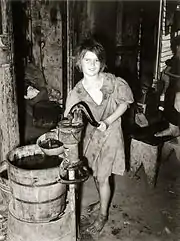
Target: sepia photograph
(89,120)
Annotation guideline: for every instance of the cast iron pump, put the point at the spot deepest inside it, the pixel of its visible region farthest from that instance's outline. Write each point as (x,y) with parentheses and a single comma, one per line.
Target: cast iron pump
(72,169)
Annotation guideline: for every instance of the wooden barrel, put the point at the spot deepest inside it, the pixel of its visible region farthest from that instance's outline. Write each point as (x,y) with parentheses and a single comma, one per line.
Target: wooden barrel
(57,230)
(37,196)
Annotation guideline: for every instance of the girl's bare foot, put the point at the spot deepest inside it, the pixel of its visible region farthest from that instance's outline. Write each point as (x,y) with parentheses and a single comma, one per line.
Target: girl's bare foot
(96,227)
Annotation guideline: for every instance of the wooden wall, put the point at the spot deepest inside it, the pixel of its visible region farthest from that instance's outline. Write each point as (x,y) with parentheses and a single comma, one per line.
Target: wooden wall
(45,32)
(165,41)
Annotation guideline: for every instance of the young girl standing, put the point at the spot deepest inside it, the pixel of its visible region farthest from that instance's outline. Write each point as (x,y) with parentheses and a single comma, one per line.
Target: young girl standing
(108,97)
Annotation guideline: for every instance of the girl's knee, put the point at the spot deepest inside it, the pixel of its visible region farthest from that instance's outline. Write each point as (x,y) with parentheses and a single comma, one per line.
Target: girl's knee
(103,181)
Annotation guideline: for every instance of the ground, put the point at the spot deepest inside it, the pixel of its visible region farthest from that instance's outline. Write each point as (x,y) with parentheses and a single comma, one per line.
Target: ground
(139,212)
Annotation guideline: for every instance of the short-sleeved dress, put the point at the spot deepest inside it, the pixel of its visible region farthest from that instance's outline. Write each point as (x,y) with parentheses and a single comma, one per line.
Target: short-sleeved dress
(104,150)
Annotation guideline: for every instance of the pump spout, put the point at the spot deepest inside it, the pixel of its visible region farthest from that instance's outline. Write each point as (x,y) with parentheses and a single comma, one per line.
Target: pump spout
(86,110)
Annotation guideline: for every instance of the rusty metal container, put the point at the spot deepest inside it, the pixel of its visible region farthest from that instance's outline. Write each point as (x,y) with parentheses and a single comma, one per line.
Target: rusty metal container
(36,193)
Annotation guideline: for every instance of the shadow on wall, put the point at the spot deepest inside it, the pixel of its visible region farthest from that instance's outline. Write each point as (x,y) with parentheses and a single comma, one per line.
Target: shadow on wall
(19,53)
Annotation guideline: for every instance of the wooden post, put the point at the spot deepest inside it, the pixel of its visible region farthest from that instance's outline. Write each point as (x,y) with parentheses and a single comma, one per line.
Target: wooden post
(72,202)
(156,74)
(4,16)
(70,67)
(9,126)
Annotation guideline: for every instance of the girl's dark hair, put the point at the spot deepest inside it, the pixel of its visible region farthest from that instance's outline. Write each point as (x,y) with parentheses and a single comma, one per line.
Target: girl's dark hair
(174,43)
(94,46)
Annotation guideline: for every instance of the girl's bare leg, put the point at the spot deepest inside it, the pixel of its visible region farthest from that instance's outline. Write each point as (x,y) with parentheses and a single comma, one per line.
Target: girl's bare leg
(105,195)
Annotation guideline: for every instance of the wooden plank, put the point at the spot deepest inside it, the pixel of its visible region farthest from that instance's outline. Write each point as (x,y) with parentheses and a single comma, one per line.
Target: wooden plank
(8,111)
(166,53)
(3,4)
(9,126)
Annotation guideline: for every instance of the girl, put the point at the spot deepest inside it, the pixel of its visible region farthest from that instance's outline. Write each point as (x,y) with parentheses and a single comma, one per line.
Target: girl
(108,98)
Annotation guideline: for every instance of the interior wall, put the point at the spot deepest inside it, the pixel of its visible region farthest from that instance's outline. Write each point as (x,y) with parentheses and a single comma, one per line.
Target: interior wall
(45,30)
(150,21)
(127,45)
(137,43)
(38,38)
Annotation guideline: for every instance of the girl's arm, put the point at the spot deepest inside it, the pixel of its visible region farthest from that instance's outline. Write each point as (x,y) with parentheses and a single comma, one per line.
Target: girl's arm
(117,113)
(113,117)
(123,96)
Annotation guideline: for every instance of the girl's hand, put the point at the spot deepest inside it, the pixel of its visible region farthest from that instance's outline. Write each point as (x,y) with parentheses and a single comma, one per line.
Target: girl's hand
(103,126)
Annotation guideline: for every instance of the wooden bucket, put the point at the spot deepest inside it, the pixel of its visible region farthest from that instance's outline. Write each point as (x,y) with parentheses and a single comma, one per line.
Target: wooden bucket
(37,195)
(57,230)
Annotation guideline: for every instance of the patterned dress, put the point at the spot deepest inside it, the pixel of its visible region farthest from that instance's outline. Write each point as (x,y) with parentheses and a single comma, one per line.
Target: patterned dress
(103,150)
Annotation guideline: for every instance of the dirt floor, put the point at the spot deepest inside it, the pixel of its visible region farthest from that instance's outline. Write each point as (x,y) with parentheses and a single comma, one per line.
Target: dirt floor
(139,212)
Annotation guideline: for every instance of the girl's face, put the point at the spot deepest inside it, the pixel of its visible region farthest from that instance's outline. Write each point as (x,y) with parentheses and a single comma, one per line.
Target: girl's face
(90,64)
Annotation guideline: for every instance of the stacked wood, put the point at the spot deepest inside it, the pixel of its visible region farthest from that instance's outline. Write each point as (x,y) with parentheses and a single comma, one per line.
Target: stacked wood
(165,52)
